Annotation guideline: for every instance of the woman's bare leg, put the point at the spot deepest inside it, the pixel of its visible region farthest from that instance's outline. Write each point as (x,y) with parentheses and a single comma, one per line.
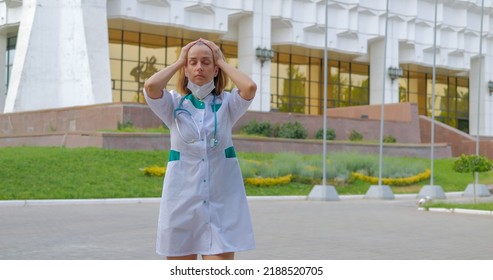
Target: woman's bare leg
(188,257)
(223,256)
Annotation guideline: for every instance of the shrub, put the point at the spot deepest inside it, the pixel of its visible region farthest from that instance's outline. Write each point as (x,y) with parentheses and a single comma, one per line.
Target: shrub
(250,168)
(275,130)
(342,164)
(309,167)
(340,168)
(355,136)
(126,126)
(394,181)
(389,139)
(267,182)
(292,130)
(303,168)
(154,170)
(281,164)
(330,134)
(257,128)
(472,164)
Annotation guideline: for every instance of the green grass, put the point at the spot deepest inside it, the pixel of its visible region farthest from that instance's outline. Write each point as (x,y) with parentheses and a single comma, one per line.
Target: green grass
(77,173)
(60,173)
(487,206)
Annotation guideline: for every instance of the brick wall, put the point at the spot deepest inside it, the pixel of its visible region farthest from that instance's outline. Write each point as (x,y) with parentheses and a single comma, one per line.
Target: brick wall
(460,142)
(401,121)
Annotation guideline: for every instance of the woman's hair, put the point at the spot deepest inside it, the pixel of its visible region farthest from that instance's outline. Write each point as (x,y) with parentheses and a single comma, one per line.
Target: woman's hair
(220,80)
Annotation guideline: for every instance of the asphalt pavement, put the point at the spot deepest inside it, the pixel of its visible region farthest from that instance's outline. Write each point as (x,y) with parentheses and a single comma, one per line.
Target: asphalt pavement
(352,228)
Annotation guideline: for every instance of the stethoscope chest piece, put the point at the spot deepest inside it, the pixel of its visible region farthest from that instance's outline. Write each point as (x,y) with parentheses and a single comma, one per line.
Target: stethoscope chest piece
(213,142)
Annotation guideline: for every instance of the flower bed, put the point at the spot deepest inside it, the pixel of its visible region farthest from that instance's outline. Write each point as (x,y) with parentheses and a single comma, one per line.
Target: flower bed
(394,181)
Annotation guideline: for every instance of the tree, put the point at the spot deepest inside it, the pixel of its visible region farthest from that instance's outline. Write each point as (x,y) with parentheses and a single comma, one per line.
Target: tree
(472,164)
(294,99)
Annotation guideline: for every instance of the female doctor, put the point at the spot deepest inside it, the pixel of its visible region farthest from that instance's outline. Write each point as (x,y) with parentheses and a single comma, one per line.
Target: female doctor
(204,209)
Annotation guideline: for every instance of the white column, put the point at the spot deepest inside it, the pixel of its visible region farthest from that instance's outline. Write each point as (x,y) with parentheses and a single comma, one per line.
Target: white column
(62,56)
(3,62)
(253,32)
(488,96)
(376,51)
(95,24)
(478,83)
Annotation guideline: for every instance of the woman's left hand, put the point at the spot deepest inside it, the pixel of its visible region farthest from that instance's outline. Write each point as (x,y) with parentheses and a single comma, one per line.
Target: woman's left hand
(216,51)
(245,84)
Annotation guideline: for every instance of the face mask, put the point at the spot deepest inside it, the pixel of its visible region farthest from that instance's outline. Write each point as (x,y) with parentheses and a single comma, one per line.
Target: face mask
(201,92)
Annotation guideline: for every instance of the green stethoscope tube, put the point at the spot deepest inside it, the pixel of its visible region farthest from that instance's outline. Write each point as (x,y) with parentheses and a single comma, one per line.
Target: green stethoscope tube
(214,141)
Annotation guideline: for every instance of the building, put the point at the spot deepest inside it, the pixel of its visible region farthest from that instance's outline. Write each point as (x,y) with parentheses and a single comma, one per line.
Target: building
(62,53)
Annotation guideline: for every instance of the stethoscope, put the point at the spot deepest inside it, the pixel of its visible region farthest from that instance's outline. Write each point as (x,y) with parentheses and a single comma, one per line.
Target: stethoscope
(214,141)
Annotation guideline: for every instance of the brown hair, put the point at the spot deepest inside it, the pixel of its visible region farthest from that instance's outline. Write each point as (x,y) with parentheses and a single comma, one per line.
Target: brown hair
(220,81)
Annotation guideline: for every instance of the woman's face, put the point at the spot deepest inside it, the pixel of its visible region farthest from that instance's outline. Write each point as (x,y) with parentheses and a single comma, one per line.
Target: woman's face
(200,68)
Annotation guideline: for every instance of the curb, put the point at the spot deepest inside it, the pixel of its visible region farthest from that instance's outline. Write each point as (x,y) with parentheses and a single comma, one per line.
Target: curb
(458,210)
(51,202)
(41,202)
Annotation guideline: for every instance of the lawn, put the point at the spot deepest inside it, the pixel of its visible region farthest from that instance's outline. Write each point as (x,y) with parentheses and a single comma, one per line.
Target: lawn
(487,206)
(61,173)
(77,173)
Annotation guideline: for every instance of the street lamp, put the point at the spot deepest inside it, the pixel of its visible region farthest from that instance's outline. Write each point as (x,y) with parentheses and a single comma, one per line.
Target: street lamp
(394,73)
(264,54)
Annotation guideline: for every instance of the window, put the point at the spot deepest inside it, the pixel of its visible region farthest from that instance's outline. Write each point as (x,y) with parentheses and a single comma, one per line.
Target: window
(134,57)
(451,97)
(9,60)
(297,84)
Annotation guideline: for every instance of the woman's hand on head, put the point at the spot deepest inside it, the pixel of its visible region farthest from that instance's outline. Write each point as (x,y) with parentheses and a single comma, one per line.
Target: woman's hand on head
(182,59)
(216,51)
(247,87)
(156,83)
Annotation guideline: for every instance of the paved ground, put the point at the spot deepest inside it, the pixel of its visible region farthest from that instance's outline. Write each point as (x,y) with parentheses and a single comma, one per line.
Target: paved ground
(349,229)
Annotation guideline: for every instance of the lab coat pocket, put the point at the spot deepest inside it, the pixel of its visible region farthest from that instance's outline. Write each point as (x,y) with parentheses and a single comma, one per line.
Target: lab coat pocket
(230,152)
(173,180)
(173,155)
(232,169)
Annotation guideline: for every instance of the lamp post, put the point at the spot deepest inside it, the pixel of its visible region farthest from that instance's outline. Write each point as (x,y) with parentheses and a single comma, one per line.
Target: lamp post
(264,54)
(394,73)
(433,191)
(324,192)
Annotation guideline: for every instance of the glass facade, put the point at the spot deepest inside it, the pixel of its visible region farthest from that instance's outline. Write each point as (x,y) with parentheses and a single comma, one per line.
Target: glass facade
(135,56)
(297,84)
(296,80)
(348,84)
(451,97)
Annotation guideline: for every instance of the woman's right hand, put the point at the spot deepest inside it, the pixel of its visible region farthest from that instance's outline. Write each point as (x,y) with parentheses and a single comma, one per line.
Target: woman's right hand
(156,83)
(182,59)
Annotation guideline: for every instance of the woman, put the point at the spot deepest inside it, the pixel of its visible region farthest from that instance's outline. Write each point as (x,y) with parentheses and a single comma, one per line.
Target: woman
(204,209)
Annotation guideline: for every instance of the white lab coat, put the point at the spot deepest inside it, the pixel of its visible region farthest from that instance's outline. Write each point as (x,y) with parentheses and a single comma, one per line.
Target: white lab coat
(203,208)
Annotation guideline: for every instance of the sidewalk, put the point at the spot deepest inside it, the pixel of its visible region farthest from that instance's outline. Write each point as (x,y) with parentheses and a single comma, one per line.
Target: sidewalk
(352,228)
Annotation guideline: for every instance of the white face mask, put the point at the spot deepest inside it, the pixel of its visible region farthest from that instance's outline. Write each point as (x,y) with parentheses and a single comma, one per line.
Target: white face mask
(201,92)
